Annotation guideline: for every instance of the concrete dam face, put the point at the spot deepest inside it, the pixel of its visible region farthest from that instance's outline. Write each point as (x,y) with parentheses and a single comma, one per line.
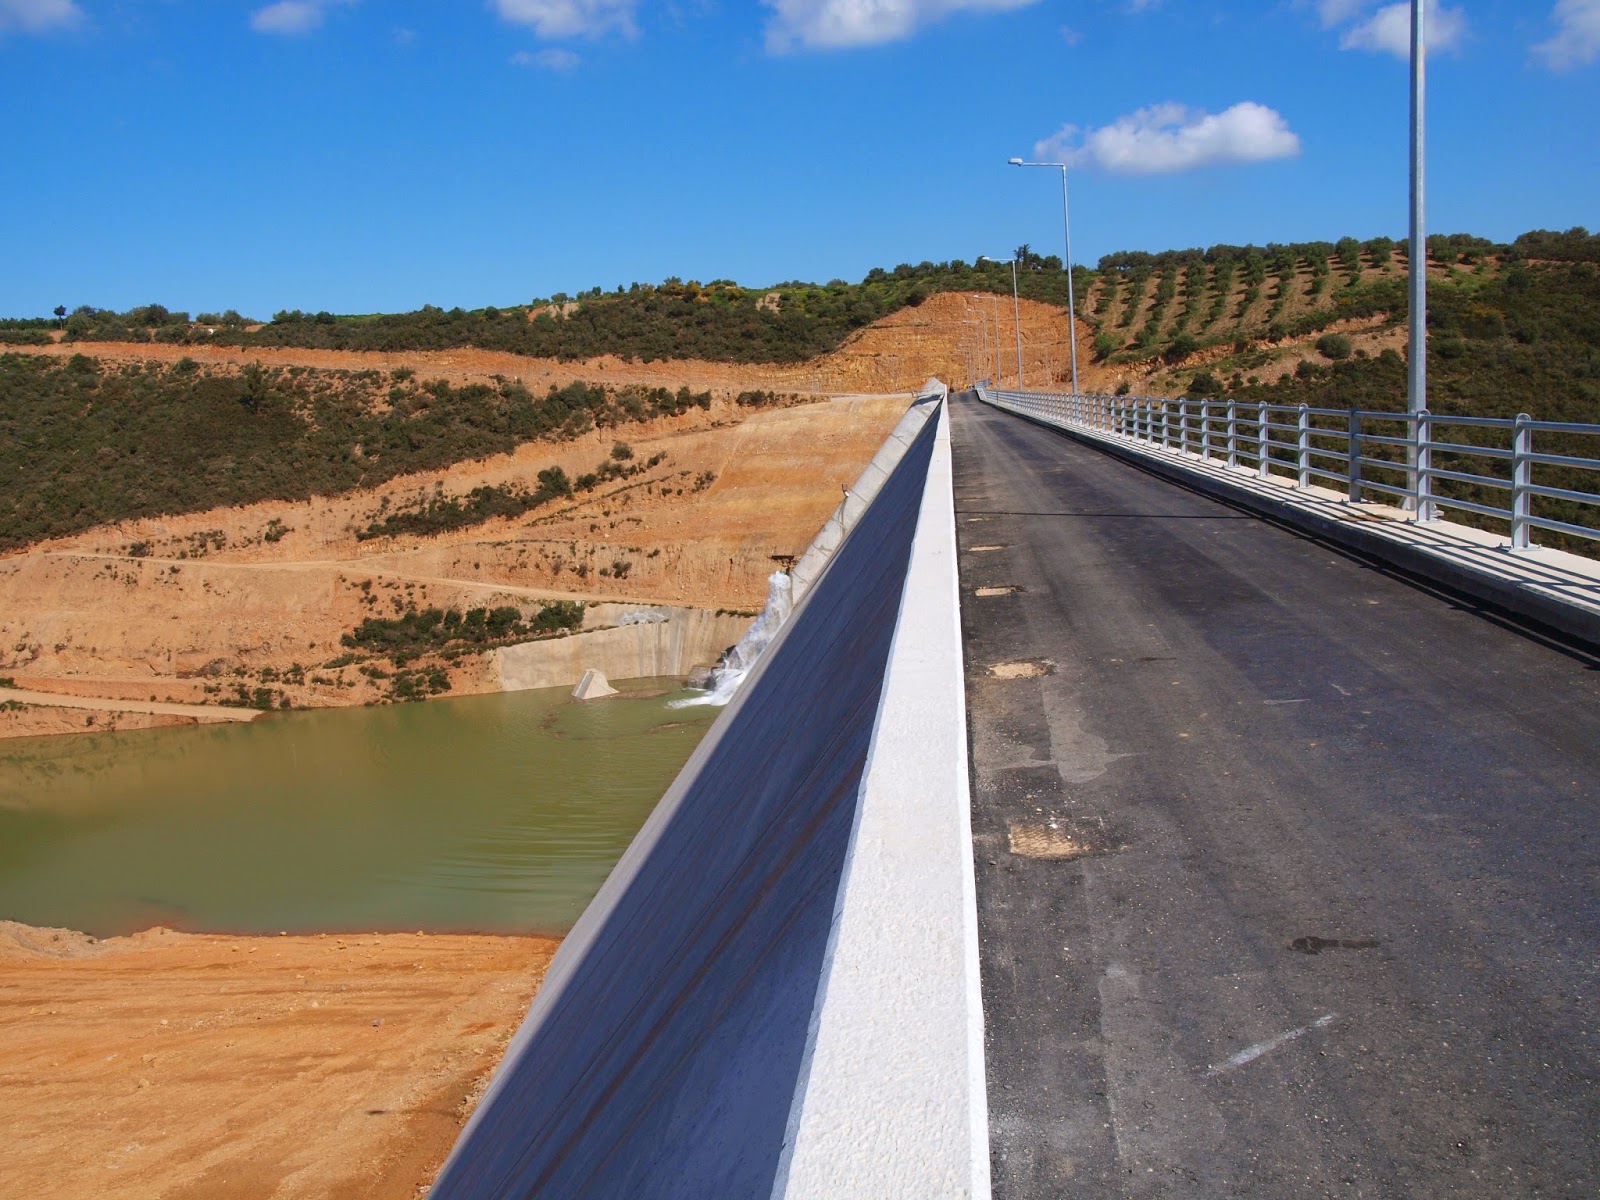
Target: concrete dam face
(673,1043)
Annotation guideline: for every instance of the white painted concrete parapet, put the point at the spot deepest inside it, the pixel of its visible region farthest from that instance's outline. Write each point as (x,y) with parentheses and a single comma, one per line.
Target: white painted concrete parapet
(892,1099)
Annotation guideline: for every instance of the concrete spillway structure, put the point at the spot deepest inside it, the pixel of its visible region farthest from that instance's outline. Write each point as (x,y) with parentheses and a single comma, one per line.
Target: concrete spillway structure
(776,991)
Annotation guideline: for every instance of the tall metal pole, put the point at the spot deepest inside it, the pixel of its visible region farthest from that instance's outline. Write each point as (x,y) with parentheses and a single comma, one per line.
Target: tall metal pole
(1066,222)
(1417,390)
(1016,313)
(1072,308)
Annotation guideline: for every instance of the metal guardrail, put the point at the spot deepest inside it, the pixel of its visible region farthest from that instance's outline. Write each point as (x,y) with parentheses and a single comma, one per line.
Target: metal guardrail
(1345,448)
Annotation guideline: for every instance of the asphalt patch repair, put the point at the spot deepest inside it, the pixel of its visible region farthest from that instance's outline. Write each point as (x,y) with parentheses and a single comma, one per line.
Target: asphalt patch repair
(1054,840)
(1024,669)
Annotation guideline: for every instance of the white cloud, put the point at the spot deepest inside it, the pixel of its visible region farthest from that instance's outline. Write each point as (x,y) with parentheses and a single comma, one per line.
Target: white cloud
(551,59)
(570,18)
(1387,30)
(1337,12)
(287,16)
(1577,39)
(292,17)
(1167,138)
(38,16)
(833,24)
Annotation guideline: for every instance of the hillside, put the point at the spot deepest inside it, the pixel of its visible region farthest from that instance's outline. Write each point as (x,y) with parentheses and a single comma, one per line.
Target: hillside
(331,526)
(330,601)
(1230,316)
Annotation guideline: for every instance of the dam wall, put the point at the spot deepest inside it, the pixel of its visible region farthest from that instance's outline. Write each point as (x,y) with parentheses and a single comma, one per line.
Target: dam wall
(632,641)
(776,991)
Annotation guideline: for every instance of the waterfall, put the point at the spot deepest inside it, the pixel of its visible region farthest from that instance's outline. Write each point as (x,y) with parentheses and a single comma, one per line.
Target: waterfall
(724,682)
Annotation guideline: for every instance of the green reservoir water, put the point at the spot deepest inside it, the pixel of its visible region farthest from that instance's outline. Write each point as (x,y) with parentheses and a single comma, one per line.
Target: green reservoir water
(495,814)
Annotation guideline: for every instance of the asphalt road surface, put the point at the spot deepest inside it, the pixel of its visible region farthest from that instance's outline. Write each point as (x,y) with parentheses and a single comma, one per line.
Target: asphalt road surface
(1287,867)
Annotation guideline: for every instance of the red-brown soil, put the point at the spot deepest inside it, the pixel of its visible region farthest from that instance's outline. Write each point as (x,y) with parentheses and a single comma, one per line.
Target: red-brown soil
(170,1066)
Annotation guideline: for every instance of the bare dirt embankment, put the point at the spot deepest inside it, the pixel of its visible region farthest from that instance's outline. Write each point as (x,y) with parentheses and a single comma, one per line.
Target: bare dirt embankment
(175,1066)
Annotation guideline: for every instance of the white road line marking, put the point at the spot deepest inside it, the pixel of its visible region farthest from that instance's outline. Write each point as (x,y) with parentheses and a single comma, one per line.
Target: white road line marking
(1250,1053)
(1301,700)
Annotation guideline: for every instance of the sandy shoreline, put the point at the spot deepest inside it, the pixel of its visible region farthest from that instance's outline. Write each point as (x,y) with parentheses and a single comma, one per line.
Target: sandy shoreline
(184,1066)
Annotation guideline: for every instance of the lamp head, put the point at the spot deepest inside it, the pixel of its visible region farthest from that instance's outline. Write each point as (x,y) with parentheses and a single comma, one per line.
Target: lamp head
(1015,162)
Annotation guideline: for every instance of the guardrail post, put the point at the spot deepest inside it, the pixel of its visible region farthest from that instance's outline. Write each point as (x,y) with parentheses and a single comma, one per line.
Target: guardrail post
(1521,479)
(1205,430)
(1166,425)
(1422,432)
(1263,441)
(1233,433)
(1183,424)
(1304,446)
(1353,466)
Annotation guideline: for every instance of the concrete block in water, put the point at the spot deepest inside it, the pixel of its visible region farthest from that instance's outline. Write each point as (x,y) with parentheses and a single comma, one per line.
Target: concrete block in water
(593,686)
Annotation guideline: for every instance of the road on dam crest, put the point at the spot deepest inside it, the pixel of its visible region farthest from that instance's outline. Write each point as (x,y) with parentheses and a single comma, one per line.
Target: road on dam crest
(1286,866)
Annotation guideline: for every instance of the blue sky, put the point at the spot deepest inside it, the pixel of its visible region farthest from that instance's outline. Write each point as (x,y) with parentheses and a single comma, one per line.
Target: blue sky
(376,155)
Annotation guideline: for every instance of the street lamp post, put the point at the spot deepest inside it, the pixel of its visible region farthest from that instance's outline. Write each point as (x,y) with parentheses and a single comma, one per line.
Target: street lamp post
(1417,266)
(1066,224)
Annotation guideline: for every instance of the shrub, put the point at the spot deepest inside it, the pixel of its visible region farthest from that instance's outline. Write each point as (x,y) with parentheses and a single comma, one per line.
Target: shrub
(1181,348)
(1333,346)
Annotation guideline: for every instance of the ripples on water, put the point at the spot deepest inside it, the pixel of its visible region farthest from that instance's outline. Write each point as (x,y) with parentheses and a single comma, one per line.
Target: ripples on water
(498,813)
